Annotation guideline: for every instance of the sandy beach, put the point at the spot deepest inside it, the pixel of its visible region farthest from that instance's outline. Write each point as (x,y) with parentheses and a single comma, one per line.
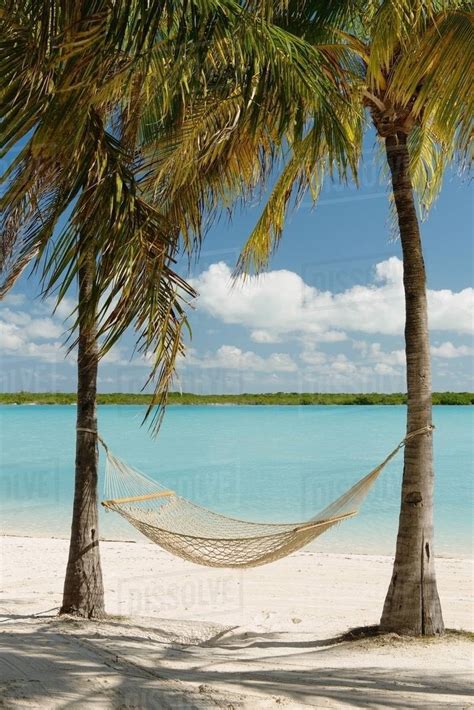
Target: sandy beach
(179,635)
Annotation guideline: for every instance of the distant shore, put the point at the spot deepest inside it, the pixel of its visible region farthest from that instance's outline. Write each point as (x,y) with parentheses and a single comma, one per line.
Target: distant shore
(269,398)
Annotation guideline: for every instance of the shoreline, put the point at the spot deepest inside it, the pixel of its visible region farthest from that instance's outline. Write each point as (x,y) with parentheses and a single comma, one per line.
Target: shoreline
(305,551)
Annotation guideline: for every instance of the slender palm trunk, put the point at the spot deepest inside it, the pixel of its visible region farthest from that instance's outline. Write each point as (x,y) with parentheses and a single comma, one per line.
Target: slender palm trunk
(83,589)
(412,604)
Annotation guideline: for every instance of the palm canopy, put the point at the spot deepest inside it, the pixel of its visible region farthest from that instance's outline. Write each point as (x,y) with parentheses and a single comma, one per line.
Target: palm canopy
(406,69)
(96,98)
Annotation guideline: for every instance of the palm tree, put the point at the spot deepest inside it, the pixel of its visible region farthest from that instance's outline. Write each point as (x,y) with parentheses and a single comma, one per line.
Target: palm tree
(86,99)
(401,67)
(410,79)
(118,247)
(77,162)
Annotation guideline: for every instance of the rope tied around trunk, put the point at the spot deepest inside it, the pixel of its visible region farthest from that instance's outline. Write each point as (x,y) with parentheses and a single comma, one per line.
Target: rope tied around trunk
(411,435)
(96,433)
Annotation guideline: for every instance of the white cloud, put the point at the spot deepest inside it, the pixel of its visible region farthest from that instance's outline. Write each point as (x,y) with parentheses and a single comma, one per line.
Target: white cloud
(343,366)
(451,311)
(280,304)
(313,358)
(329,336)
(45,328)
(370,361)
(229,357)
(15,340)
(448,350)
(10,337)
(20,331)
(276,307)
(381,368)
(14,299)
(336,373)
(120,357)
(48,352)
(389,271)
(115,356)
(264,336)
(373,352)
(390,362)
(16,317)
(63,309)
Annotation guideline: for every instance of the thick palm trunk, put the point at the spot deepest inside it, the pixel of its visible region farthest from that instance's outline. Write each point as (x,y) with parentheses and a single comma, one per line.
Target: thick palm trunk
(83,588)
(412,604)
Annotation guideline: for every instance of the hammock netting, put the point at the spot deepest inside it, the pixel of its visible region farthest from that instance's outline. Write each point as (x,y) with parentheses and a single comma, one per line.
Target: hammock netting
(208,538)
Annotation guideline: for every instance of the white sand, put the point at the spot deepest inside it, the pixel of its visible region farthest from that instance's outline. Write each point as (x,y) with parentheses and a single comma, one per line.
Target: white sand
(193,637)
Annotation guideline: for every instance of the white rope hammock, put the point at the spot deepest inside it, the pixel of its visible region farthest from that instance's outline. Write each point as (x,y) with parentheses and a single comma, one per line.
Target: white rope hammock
(208,538)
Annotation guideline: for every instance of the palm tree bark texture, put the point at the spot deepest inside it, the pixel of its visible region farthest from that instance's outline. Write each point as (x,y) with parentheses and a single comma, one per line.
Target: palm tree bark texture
(412,604)
(83,587)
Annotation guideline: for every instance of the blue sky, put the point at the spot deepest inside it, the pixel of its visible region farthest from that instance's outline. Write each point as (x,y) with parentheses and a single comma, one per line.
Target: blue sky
(327,317)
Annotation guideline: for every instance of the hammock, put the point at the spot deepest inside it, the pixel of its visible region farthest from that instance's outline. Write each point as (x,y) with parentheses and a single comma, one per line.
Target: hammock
(208,538)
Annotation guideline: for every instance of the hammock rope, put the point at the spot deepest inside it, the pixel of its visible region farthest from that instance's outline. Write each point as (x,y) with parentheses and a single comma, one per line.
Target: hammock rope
(208,538)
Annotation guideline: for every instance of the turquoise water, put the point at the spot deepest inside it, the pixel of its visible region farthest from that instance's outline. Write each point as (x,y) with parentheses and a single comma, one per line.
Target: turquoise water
(262,463)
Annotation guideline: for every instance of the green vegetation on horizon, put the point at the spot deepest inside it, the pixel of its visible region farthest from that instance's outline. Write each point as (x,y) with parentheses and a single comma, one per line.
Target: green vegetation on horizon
(284,398)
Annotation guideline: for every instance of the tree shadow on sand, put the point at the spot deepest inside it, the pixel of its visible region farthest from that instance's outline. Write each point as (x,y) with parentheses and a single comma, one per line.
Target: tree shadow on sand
(49,663)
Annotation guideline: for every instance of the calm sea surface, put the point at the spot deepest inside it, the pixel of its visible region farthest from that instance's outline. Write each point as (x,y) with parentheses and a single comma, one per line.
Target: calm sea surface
(260,463)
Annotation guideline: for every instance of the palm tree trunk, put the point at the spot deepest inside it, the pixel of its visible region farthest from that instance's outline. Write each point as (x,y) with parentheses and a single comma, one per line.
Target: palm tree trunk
(412,604)
(83,588)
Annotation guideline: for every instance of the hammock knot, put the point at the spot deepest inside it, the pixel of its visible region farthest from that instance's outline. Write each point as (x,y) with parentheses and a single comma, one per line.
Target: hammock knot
(412,434)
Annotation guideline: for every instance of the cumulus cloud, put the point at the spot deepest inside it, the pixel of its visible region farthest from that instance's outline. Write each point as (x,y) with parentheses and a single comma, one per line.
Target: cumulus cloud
(120,357)
(448,350)
(313,358)
(14,299)
(10,337)
(15,340)
(367,361)
(373,352)
(333,373)
(44,328)
(229,357)
(20,333)
(275,308)
(264,336)
(63,309)
(391,362)
(280,304)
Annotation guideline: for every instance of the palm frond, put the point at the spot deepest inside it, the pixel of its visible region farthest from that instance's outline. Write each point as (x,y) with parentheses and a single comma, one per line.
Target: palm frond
(321,151)
(437,77)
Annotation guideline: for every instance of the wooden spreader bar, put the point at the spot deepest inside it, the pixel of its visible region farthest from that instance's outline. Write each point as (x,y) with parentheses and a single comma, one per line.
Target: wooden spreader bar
(133,499)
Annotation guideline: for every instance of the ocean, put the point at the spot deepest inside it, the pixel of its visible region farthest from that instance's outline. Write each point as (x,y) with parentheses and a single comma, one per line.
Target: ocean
(269,463)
